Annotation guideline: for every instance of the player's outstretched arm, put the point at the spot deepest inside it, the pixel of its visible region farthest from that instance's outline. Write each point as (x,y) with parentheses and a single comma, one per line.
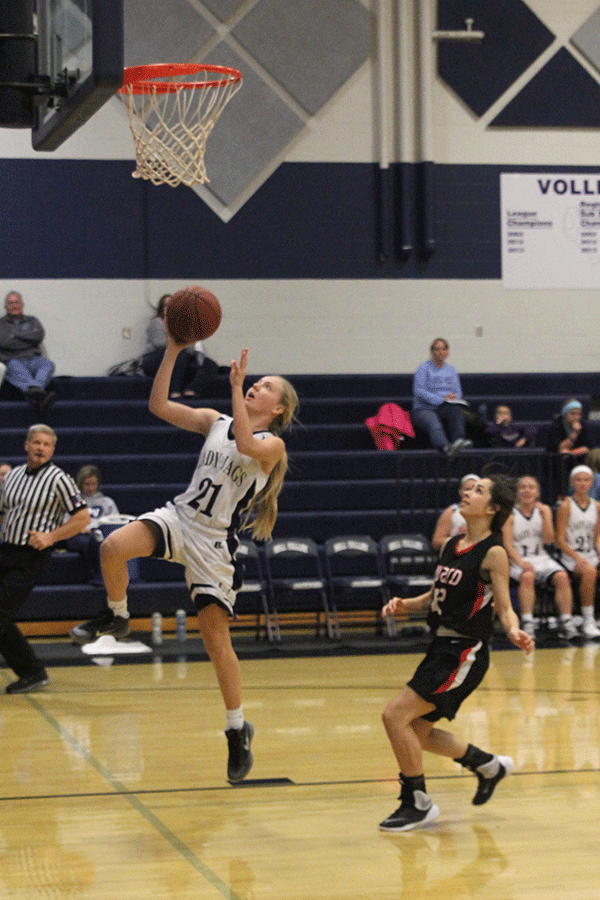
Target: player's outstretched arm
(270,449)
(178,414)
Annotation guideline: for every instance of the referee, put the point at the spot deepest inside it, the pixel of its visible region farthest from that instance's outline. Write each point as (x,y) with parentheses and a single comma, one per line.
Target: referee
(39,505)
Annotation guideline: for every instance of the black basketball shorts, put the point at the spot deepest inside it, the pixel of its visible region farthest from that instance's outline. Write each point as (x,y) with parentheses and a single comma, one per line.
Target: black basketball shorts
(451,670)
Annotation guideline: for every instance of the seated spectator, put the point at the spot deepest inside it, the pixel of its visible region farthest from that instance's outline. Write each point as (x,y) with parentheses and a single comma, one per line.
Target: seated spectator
(99,505)
(578,538)
(27,368)
(451,521)
(568,433)
(201,372)
(87,543)
(156,334)
(438,403)
(525,535)
(503,432)
(568,440)
(193,370)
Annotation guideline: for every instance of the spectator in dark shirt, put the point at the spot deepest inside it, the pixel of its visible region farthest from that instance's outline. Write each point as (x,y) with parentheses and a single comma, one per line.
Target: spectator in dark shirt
(503,432)
(193,370)
(27,368)
(568,433)
(568,440)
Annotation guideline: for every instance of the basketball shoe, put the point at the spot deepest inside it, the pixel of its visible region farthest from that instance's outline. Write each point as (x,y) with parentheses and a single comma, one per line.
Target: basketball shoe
(420,812)
(567,628)
(240,757)
(488,776)
(104,623)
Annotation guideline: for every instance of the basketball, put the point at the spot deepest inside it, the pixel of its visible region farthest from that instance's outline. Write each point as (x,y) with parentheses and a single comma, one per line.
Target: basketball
(193,314)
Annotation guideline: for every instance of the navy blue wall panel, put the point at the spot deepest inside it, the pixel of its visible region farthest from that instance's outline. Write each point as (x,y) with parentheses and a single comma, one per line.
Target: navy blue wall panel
(70,219)
(561,95)
(481,72)
(91,219)
(308,220)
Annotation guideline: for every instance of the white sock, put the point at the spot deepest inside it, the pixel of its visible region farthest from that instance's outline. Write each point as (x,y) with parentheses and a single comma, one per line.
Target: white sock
(235,718)
(490,769)
(566,617)
(120,609)
(588,613)
(526,617)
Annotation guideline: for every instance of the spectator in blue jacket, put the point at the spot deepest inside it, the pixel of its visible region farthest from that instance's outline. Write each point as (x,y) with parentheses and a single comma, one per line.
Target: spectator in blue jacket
(438,402)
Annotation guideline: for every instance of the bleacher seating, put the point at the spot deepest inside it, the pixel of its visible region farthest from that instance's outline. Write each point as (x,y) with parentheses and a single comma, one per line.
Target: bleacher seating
(338,483)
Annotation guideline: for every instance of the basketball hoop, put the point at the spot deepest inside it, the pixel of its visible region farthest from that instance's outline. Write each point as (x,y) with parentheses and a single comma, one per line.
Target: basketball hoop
(171,120)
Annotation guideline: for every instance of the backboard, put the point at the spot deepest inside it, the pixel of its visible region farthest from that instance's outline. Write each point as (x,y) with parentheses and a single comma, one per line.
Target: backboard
(80,53)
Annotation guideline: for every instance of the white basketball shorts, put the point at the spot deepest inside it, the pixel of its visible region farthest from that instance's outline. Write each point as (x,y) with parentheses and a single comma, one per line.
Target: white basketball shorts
(569,563)
(207,558)
(544,568)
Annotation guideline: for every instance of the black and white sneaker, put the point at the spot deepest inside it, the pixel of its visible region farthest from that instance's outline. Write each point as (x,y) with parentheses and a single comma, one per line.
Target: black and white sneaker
(411,815)
(487,781)
(567,629)
(104,623)
(240,758)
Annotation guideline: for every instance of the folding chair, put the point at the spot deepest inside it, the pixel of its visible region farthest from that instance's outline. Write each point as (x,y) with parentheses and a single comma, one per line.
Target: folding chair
(408,563)
(296,581)
(356,577)
(252,596)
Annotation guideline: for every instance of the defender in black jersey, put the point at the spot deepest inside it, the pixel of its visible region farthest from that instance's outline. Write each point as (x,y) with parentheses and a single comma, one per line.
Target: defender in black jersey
(470,586)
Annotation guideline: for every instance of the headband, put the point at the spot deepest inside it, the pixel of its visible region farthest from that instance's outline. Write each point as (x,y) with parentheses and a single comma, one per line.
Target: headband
(572,404)
(575,471)
(468,478)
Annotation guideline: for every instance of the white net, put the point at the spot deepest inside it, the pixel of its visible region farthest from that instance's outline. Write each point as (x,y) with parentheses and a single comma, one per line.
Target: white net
(171,123)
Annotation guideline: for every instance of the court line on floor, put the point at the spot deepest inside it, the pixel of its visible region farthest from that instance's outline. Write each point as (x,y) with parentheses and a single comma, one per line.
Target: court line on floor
(268,783)
(132,798)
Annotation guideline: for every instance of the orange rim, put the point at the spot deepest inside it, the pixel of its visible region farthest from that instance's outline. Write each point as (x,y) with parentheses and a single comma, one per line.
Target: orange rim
(141,79)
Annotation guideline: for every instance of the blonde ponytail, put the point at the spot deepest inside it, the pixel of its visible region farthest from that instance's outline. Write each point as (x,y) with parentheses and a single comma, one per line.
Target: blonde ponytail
(262,512)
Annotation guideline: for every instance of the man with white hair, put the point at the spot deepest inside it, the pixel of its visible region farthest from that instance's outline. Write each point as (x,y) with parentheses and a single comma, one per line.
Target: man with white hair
(20,351)
(35,498)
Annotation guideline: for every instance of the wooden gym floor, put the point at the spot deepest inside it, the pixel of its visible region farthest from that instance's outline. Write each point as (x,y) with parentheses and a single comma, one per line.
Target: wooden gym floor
(112,785)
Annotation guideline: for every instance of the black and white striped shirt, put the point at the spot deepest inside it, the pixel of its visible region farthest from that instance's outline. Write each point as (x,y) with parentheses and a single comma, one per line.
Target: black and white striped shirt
(36,501)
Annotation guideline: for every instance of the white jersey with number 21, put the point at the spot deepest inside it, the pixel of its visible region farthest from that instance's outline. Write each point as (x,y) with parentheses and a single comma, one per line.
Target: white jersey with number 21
(224,482)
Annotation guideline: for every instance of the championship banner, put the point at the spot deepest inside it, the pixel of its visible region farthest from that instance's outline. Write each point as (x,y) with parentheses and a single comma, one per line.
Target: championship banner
(550,226)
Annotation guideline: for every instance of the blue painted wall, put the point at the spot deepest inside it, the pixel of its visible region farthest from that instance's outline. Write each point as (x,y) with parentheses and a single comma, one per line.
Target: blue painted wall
(91,219)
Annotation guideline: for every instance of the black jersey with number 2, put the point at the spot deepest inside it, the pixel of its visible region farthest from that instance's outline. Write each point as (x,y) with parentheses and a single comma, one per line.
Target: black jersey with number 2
(462,600)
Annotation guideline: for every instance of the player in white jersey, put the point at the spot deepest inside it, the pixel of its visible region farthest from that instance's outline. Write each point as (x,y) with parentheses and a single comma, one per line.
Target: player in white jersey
(525,535)
(451,520)
(578,537)
(239,474)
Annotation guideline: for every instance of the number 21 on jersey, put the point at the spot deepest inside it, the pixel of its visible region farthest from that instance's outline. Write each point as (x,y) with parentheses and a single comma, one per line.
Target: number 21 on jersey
(205,499)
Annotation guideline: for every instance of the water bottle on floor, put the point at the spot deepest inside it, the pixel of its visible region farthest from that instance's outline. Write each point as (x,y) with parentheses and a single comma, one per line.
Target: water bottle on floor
(157,628)
(181,623)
